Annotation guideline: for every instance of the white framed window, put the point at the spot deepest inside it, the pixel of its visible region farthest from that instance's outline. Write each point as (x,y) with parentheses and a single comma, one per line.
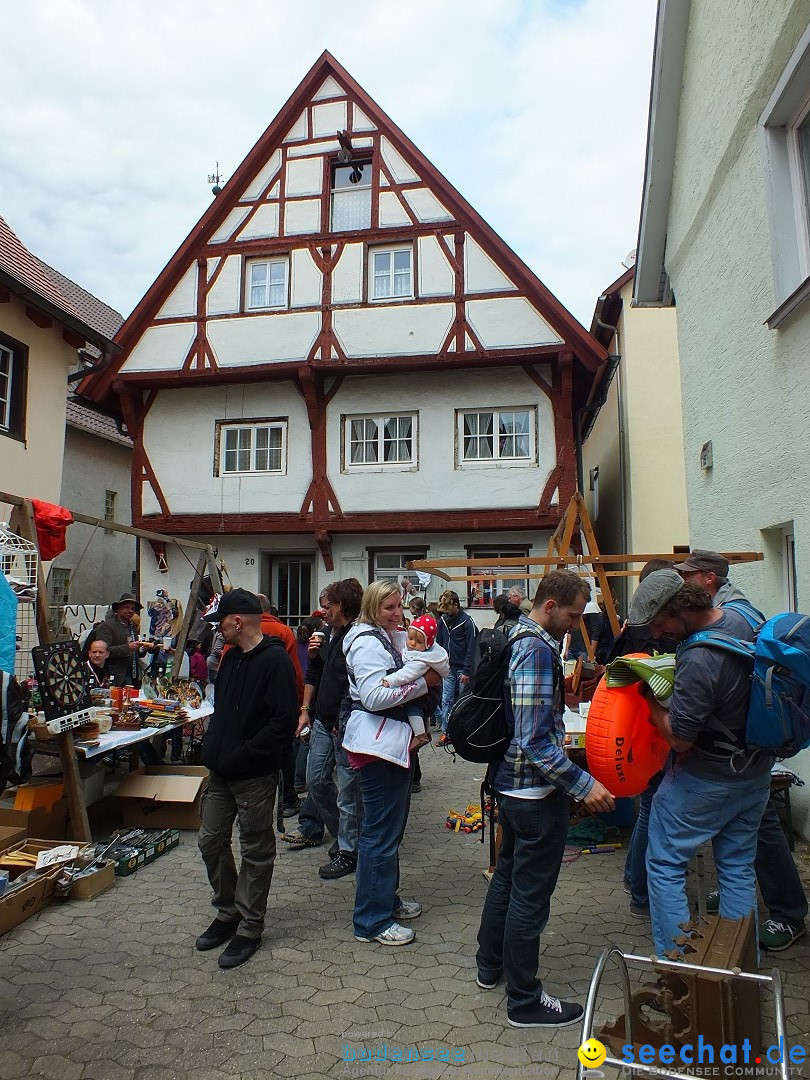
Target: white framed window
(380,440)
(391,273)
(497,435)
(351,197)
(255,447)
(266,285)
(59,586)
(784,129)
(496,579)
(109,508)
(389,564)
(13,385)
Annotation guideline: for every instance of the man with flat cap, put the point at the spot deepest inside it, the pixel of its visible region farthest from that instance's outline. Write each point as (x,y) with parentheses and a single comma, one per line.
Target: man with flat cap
(717,788)
(710,569)
(779,882)
(121,635)
(255,716)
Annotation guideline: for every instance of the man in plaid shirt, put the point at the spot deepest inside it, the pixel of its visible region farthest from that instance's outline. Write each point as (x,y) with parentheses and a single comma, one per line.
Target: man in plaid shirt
(535,784)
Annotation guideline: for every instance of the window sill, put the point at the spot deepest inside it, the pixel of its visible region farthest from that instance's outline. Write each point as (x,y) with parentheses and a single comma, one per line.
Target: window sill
(253,472)
(12,435)
(394,466)
(498,463)
(788,306)
(391,299)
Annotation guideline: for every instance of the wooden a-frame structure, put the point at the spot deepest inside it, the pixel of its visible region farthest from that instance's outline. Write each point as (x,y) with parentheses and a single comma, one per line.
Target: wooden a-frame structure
(561,554)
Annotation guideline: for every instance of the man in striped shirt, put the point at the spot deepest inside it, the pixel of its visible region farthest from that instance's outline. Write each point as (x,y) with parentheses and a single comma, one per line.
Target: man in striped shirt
(535,784)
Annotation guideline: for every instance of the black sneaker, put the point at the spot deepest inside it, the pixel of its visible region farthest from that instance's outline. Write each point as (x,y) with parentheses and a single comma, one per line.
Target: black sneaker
(293,809)
(548,1012)
(415,788)
(334,850)
(640,911)
(217,934)
(339,867)
(239,950)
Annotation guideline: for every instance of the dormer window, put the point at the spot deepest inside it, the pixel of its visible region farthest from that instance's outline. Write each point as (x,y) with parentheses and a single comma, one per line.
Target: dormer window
(351,196)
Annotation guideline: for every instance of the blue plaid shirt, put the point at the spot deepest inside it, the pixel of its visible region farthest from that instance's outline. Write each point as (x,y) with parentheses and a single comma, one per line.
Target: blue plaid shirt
(535,762)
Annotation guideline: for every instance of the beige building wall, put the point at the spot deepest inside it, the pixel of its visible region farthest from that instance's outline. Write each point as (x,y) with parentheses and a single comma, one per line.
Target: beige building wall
(33,468)
(650,381)
(645,400)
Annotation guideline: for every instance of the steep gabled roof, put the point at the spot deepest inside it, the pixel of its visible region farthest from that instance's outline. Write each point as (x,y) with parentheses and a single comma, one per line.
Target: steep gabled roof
(47,289)
(587,350)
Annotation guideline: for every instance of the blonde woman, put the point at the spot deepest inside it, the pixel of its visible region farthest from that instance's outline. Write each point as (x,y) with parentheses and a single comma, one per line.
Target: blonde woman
(376,740)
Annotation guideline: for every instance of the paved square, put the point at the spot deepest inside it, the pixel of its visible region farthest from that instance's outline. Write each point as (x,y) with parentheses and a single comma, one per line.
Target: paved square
(113,989)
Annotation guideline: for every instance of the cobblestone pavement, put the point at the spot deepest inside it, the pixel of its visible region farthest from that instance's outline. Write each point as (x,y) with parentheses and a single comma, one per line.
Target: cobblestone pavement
(113,989)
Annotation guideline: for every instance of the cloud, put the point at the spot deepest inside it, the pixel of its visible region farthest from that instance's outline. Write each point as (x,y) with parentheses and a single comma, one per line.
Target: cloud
(535,111)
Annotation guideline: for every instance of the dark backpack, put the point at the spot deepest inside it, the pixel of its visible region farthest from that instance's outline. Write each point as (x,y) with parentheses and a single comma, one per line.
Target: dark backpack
(478,726)
(779,711)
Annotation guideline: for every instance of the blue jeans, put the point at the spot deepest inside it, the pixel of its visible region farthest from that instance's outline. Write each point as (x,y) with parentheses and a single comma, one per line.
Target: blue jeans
(635,866)
(777,876)
(320,783)
(310,822)
(340,808)
(386,791)
(349,802)
(686,812)
(301,755)
(516,909)
(450,690)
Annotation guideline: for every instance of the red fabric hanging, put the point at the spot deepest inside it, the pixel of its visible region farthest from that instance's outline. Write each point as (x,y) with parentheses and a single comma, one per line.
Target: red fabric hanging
(51,522)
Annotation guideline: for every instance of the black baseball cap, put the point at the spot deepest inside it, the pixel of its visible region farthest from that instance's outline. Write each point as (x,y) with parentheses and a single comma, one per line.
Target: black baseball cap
(235,602)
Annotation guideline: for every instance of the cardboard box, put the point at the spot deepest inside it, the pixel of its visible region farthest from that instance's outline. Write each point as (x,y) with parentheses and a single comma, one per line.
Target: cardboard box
(22,903)
(128,865)
(47,824)
(11,836)
(87,888)
(162,797)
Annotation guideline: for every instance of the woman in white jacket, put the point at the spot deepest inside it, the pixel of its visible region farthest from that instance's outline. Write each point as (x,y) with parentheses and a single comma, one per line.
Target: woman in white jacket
(376,740)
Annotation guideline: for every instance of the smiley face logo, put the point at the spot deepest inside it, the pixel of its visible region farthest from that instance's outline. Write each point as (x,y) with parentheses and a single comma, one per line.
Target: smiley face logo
(592,1053)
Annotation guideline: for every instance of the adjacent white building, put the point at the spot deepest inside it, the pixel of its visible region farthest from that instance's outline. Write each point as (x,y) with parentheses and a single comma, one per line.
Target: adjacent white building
(725,228)
(344,368)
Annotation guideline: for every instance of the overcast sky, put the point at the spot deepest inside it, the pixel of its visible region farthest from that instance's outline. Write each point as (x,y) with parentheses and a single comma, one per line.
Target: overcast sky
(115,112)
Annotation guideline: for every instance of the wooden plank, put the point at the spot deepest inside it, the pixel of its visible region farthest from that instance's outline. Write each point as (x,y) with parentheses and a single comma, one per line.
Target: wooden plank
(113,526)
(213,570)
(430,565)
(189,614)
(599,573)
(79,823)
(28,531)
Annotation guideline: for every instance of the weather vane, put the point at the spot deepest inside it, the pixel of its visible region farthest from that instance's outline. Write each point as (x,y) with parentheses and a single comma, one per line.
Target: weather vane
(215,179)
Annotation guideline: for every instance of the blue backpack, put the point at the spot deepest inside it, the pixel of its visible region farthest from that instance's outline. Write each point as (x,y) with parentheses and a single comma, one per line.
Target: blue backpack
(779,710)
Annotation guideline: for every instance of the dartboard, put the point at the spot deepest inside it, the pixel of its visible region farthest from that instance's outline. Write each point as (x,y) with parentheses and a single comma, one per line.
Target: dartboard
(62,679)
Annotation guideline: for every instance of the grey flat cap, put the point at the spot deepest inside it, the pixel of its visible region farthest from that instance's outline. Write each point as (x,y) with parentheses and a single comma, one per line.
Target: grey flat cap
(653,593)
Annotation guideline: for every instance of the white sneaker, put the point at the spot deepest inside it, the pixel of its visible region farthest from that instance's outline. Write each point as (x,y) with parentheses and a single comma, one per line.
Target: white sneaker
(394,935)
(408,909)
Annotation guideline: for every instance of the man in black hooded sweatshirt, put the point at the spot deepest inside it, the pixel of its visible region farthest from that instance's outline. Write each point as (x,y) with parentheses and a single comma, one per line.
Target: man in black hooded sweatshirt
(255,713)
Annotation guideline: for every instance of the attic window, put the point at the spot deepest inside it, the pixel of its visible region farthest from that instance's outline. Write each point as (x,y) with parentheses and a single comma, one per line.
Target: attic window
(351,196)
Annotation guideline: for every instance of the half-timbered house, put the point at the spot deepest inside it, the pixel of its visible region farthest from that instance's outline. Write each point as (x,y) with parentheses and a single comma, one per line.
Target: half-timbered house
(343,367)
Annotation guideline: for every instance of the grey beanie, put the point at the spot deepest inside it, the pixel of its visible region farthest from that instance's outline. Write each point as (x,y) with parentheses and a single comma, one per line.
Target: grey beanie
(654,592)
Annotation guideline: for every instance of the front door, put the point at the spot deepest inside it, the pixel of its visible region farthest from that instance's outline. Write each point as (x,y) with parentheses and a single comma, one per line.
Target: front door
(291,587)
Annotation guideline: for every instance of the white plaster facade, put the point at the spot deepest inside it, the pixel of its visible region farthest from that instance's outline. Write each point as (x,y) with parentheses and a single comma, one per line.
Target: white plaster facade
(745,385)
(329,193)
